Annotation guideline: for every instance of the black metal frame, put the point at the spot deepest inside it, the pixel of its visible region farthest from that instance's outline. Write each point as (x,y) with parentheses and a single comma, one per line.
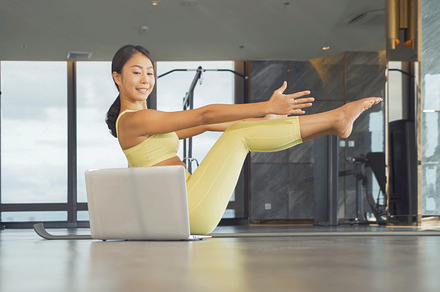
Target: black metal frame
(326,173)
(241,203)
(188,104)
(71,146)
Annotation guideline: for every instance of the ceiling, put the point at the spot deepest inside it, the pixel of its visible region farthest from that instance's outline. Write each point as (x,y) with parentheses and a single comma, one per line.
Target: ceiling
(191,30)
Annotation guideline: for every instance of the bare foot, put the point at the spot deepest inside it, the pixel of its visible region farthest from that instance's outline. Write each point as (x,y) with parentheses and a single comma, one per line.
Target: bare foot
(349,112)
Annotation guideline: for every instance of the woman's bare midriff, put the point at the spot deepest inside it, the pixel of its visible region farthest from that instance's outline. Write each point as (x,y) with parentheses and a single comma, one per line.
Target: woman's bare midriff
(171,161)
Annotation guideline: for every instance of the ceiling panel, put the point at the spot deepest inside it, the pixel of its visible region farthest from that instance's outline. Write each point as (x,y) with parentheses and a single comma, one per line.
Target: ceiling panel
(187,30)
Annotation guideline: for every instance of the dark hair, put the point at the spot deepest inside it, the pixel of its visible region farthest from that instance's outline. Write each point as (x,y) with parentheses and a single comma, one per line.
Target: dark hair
(119,59)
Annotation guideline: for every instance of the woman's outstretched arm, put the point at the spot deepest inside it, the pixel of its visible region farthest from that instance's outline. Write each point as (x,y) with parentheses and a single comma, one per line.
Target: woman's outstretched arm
(147,122)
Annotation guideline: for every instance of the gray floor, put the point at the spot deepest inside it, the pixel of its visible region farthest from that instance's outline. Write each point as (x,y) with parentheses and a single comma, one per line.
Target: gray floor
(279,263)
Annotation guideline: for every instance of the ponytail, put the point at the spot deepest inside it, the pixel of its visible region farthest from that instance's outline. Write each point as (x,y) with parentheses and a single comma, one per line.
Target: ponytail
(112,116)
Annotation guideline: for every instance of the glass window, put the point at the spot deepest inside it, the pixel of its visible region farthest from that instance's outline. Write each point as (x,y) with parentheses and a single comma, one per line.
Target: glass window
(96,147)
(395,91)
(229,213)
(83,216)
(34,132)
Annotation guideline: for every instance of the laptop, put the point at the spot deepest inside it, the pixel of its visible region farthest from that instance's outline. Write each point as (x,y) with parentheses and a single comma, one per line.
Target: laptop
(142,203)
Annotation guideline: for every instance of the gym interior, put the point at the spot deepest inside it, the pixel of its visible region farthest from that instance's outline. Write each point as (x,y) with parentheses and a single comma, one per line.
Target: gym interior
(355,214)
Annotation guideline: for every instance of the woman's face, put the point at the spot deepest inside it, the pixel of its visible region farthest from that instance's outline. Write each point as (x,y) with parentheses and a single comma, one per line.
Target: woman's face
(136,80)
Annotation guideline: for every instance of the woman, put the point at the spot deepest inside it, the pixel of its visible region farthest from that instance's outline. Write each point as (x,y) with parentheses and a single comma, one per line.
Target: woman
(150,137)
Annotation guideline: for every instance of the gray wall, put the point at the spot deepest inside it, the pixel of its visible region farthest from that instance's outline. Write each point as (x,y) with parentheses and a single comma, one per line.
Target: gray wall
(285,179)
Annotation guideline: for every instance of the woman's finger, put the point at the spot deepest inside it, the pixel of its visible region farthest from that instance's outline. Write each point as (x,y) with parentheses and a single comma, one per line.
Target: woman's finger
(298,112)
(282,88)
(298,94)
(304,100)
(303,105)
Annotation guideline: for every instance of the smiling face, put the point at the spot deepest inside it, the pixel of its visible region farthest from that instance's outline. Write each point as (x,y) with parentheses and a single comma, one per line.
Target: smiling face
(136,80)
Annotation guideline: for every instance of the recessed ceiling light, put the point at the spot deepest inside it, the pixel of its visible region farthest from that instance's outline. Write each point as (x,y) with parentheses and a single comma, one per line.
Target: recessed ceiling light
(143,29)
(326,48)
(155,3)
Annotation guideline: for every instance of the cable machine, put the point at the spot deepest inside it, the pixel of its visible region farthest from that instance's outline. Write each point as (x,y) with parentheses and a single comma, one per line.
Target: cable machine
(188,104)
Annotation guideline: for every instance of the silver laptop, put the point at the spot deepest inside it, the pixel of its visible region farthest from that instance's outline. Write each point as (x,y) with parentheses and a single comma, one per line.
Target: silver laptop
(142,203)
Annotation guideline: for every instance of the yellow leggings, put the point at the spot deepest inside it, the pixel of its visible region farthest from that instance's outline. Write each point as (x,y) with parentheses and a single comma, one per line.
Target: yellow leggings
(211,186)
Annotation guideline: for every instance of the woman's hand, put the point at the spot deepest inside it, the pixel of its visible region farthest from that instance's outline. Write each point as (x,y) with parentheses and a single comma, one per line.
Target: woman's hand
(289,104)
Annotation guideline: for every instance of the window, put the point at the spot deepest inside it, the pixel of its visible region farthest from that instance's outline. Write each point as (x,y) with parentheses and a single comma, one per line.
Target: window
(395,91)
(96,147)
(34,132)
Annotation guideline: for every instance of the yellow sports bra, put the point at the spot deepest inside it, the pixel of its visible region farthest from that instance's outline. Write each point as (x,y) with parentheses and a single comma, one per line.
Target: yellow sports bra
(154,149)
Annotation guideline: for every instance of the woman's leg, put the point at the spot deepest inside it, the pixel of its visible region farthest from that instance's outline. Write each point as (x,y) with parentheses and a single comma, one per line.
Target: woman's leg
(211,185)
